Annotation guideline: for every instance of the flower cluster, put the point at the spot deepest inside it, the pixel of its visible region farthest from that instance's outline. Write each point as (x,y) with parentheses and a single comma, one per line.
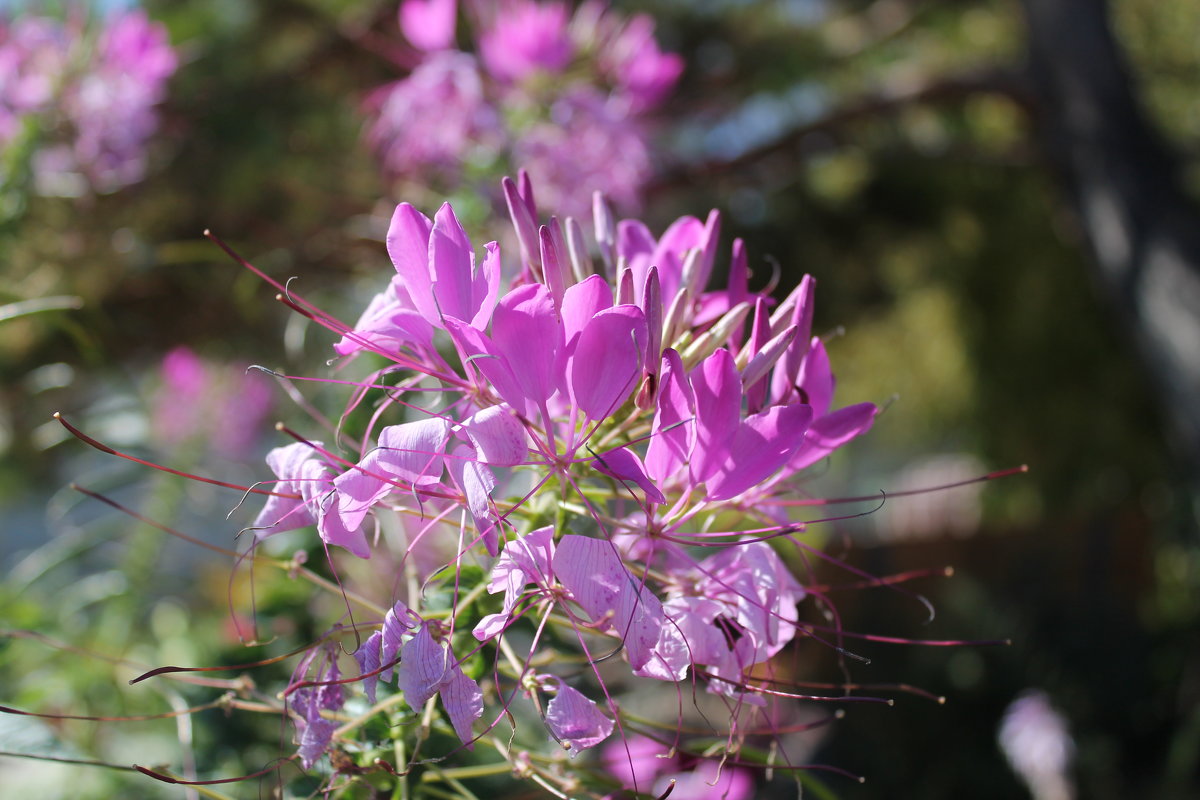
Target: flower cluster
(597,460)
(86,99)
(564,95)
(202,403)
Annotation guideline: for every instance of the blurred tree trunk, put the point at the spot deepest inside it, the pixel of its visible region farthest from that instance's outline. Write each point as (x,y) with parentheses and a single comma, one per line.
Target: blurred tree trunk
(1142,229)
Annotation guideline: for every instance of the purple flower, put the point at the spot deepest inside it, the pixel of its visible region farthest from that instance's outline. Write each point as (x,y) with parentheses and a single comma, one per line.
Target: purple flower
(526,37)
(200,402)
(457,123)
(633,60)
(646,765)
(428,24)
(590,140)
(313,731)
(575,721)
(571,432)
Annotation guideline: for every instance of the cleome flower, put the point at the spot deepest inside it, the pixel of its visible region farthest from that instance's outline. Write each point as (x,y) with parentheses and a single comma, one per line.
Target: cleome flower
(567,93)
(600,453)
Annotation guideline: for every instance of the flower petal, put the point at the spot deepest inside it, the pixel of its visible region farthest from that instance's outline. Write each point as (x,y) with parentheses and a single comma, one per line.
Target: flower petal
(718,391)
(592,571)
(607,360)
(423,667)
(623,464)
(763,443)
(673,433)
(498,436)
(831,431)
(463,701)
(408,246)
(575,720)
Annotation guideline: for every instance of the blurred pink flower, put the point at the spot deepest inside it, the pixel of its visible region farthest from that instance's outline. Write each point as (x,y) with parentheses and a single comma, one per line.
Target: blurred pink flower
(203,402)
(526,37)
(436,117)
(429,24)
(94,97)
(641,762)
(590,140)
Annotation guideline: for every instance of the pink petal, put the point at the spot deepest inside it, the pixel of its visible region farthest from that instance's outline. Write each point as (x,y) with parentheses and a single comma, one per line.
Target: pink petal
(718,389)
(603,586)
(583,301)
(463,701)
(474,347)
(831,431)
(477,483)
(576,720)
(787,371)
(623,464)
(673,433)
(334,531)
(398,621)
(423,667)
(460,292)
(413,451)
(524,221)
(408,246)
(607,360)
(367,656)
(526,331)
(428,24)
(763,443)
(816,378)
(498,436)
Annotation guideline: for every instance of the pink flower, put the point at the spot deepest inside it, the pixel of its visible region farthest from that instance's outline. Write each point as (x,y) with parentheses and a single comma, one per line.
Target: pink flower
(526,37)
(428,24)
(456,122)
(590,140)
(641,71)
(640,763)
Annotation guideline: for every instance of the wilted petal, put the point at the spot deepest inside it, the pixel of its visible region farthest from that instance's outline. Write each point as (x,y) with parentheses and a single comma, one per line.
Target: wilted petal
(315,739)
(694,618)
(477,483)
(623,464)
(576,720)
(607,360)
(592,571)
(498,436)
(423,666)
(525,560)
(397,622)
(464,703)
(367,657)
(413,451)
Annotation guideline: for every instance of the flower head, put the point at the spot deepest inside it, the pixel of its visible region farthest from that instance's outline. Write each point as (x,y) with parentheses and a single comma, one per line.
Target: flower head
(607,435)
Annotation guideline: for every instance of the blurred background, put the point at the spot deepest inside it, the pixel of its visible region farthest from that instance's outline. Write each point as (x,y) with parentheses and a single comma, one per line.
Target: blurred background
(996,198)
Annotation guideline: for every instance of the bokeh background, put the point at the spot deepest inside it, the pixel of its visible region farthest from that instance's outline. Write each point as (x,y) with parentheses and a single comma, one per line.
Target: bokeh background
(997,201)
